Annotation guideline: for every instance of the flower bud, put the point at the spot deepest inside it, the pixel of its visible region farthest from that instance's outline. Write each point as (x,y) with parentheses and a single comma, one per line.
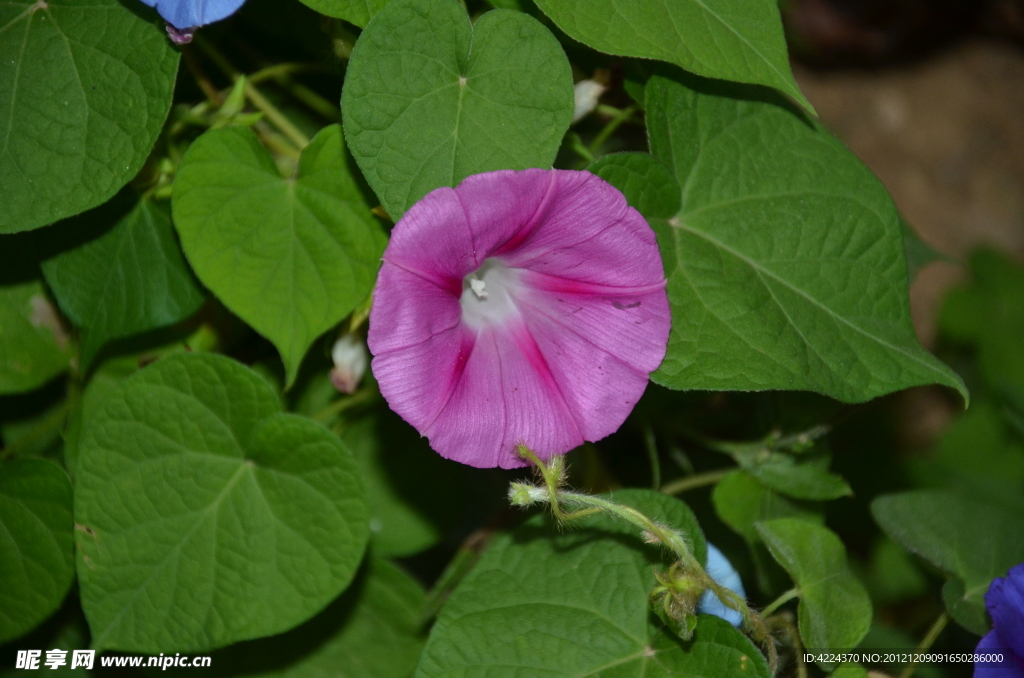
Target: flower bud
(350,360)
(586,93)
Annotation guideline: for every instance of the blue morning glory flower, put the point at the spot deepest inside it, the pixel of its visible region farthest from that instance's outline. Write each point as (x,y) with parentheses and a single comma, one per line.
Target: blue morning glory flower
(722,571)
(185,14)
(1005,604)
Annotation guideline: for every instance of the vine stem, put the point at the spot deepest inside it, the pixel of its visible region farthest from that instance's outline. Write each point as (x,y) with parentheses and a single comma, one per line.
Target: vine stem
(780,601)
(926,642)
(693,482)
(54,420)
(554,476)
(262,104)
(609,129)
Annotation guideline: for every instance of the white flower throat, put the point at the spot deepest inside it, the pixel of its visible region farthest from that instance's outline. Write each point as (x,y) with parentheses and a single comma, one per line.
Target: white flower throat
(488,294)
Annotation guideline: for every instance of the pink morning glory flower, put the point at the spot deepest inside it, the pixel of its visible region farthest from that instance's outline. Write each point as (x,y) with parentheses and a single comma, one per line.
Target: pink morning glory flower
(521,307)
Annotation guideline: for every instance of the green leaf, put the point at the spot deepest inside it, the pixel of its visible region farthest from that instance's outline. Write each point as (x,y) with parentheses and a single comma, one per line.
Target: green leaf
(85,86)
(206,515)
(33,347)
(970,541)
(740,501)
(800,479)
(492,95)
(988,314)
(36,547)
(893,575)
(648,184)
(372,631)
(358,12)
(124,275)
(291,257)
(849,670)
(785,264)
(723,39)
(575,603)
(412,492)
(835,610)
(919,253)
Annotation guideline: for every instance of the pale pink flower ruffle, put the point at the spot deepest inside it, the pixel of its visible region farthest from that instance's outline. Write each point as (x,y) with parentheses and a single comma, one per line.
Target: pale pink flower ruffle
(521,307)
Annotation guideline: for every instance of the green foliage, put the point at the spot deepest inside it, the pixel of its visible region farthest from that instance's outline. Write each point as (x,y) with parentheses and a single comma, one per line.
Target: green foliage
(835,610)
(754,304)
(372,631)
(194,495)
(407,515)
(566,603)
(291,257)
(124,273)
(988,314)
(36,546)
(720,39)
(33,348)
(492,95)
(970,541)
(86,88)
(741,502)
(358,12)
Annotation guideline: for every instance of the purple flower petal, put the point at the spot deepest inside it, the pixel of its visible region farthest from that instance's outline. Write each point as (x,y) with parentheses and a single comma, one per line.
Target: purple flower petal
(184,14)
(1010,667)
(1005,603)
(519,307)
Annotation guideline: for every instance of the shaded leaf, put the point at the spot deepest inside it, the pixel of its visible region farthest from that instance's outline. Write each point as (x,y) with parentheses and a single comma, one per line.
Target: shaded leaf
(194,494)
(413,494)
(372,631)
(33,348)
(492,95)
(785,264)
(291,257)
(36,546)
(835,610)
(358,12)
(85,86)
(127,277)
(970,541)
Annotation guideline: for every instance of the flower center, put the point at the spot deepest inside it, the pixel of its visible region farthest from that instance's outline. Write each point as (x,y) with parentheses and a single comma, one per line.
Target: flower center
(487,294)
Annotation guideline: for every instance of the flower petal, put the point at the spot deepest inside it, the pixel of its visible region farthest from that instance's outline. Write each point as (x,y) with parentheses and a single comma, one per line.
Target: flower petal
(1005,603)
(1010,667)
(722,571)
(450,232)
(588,233)
(507,395)
(192,13)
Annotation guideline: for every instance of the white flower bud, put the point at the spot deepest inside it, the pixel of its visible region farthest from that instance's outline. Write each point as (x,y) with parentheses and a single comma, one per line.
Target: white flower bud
(350,360)
(586,94)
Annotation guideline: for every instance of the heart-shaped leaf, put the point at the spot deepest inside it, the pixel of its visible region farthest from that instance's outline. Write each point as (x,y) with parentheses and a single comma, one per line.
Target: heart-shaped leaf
(970,541)
(33,348)
(835,610)
(543,601)
(724,39)
(430,98)
(291,257)
(124,274)
(37,562)
(85,86)
(206,516)
(785,263)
